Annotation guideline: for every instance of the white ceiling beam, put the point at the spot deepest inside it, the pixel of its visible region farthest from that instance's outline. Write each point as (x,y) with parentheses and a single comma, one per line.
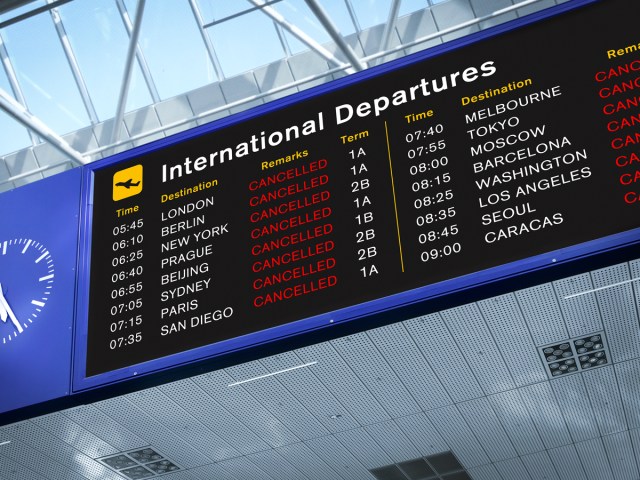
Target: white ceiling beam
(142,61)
(298,33)
(390,25)
(337,37)
(73,64)
(34,124)
(128,70)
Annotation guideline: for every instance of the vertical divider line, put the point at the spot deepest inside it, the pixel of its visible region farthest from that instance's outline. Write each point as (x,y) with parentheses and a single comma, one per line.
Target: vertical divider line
(393,188)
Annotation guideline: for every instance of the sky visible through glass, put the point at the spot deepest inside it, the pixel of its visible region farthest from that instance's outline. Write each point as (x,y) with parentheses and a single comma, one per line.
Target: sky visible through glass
(172,45)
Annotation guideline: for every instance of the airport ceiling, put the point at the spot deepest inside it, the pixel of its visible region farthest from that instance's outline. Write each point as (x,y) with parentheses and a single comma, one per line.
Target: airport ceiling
(536,383)
(97,64)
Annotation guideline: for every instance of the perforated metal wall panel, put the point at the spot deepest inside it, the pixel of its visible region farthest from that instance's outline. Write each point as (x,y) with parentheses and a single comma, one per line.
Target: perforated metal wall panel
(274,465)
(73,434)
(424,436)
(512,469)
(214,416)
(567,463)
(153,432)
(376,374)
(361,402)
(515,418)
(213,470)
(334,454)
(243,468)
(539,465)
(51,447)
(507,326)
(461,440)
(334,373)
(238,401)
(542,313)
(580,309)
(305,460)
(393,441)
(485,425)
(628,376)
(363,447)
(542,405)
(470,332)
(403,355)
(11,469)
(620,454)
(311,393)
(163,410)
(635,442)
(18,454)
(274,397)
(484,472)
(605,398)
(108,429)
(594,458)
(576,408)
(181,475)
(432,337)
(619,314)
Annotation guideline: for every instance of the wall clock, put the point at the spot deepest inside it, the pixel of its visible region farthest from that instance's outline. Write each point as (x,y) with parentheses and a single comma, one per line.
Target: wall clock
(26,281)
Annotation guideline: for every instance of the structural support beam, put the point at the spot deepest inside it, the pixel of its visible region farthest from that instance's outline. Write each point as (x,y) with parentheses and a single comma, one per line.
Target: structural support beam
(13,82)
(337,37)
(142,61)
(73,64)
(390,26)
(298,33)
(20,113)
(240,13)
(217,68)
(128,70)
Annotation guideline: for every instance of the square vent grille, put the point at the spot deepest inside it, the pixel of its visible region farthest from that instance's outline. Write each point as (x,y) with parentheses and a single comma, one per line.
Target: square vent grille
(441,466)
(575,355)
(139,463)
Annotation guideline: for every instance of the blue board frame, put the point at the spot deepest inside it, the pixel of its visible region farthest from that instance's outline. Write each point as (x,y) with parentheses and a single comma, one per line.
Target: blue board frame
(349,314)
(39,282)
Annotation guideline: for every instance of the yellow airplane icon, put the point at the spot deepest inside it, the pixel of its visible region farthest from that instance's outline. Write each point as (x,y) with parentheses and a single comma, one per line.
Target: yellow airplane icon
(127,182)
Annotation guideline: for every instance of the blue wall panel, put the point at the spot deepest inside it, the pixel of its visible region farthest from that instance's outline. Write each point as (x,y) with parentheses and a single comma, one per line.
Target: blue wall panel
(38,254)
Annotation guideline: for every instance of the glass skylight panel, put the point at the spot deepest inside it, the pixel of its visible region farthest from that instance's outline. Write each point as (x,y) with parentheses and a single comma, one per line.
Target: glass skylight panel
(44,74)
(213,10)
(14,135)
(410,6)
(371,12)
(297,12)
(173,46)
(100,42)
(246,42)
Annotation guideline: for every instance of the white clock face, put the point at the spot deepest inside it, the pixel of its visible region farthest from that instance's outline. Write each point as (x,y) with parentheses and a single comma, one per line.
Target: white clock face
(26,281)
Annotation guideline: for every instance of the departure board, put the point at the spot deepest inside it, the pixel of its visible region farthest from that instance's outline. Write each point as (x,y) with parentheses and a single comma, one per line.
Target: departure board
(512,146)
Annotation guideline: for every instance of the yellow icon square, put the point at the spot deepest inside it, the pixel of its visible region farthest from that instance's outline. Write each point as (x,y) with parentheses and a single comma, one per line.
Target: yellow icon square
(127,182)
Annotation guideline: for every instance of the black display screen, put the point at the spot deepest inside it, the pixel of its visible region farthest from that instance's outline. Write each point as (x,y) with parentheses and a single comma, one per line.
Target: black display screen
(516,145)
